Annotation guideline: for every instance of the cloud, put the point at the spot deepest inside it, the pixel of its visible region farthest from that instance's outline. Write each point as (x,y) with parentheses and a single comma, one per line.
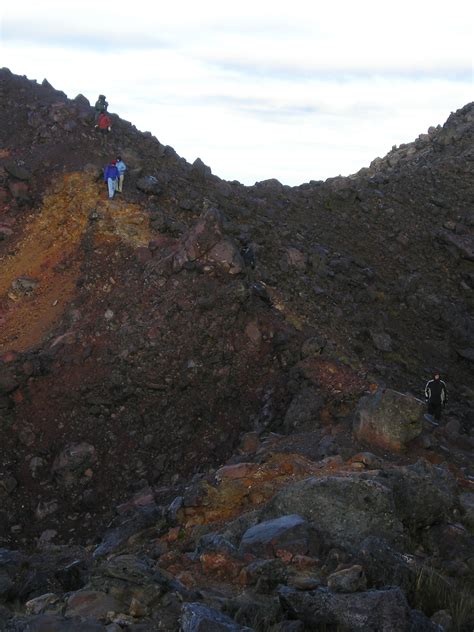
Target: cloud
(54,33)
(303,91)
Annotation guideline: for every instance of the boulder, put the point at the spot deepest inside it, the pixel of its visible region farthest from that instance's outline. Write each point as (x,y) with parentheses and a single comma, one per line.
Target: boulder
(149,185)
(345,510)
(200,169)
(384,566)
(348,580)
(388,419)
(207,243)
(197,617)
(370,611)
(424,494)
(265,539)
(303,411)
(54,623)
(92,604)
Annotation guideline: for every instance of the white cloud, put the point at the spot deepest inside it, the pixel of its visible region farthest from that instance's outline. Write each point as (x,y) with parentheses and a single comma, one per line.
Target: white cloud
(296,91)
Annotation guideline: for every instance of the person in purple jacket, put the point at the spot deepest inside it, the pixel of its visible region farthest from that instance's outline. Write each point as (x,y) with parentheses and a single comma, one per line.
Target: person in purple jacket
(111,176)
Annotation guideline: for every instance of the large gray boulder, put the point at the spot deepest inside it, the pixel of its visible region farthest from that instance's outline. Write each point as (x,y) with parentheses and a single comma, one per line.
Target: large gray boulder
(370,611)
(197,617)
(424,494)
(344,509)
(287,532)
(388,419)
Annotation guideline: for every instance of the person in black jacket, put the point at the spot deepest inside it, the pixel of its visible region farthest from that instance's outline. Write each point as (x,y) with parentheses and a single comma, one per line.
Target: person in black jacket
(436,395)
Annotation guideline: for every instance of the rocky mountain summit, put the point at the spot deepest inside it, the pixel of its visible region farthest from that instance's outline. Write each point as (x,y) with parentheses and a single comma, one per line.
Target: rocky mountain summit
(211,394)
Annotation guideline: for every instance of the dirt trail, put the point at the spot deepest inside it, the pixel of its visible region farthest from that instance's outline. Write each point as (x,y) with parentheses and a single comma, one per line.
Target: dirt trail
(48,258)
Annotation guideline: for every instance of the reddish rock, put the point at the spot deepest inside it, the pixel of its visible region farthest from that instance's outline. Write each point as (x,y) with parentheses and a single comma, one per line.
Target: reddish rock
(220,565)
(240,470)
(388,419)
(296,258)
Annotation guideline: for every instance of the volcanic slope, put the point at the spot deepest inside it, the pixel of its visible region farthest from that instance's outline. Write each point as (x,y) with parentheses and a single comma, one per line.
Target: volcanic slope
(136,343)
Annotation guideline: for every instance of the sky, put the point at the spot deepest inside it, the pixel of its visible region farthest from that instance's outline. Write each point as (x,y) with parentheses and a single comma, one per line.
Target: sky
(298,90)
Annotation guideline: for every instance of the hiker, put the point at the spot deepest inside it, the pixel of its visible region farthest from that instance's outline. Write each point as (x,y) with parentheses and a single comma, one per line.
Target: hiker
(104,123)
(101,104)
(111,175)
(122,168)
(436,396)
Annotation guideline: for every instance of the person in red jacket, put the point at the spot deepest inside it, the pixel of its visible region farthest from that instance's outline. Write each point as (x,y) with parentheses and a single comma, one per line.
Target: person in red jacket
(104,123)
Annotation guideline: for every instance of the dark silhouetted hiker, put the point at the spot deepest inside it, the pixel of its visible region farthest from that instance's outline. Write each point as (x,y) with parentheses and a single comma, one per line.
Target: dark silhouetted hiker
(436,396)
(104,123)
(101,104)
(111,175)
(122,168)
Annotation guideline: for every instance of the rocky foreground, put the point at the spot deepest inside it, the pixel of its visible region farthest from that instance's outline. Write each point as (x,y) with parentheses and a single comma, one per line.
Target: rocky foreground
(194,439)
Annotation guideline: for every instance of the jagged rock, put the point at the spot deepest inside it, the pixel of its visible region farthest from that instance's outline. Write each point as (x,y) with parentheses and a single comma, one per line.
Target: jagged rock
(206,242)
(149,185)
(388,419)
(344,509)
(128,567)
(384,566)
(200,169)
(348,580)
(45,603)
(371,611)
(197,617)
(92,604)
(288,532)
(424,494)
(303,412)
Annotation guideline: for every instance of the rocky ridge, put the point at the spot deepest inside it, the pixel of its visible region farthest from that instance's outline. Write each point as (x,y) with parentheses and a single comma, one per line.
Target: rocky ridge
(193,442)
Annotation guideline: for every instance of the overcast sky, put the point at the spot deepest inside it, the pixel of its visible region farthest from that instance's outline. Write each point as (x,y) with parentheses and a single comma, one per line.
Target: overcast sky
(298,90)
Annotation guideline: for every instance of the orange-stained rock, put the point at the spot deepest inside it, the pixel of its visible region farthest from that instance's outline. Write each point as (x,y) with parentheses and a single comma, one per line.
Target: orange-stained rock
(220,565)
(240,470)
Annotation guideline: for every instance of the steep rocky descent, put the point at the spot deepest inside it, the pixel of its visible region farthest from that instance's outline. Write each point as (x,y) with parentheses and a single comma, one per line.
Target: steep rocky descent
(161,349)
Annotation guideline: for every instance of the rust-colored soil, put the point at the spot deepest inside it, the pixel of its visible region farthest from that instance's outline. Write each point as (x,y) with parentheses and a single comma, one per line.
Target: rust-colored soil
(50,254)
